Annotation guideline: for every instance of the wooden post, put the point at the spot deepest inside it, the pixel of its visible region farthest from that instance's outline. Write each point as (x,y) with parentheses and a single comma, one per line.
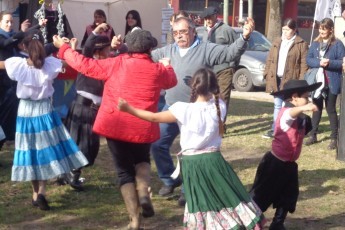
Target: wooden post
(341,118)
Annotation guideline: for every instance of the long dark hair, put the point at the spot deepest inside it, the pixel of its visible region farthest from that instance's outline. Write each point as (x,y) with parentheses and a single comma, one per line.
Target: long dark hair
(100,13)
(203,83)
(135,14)
(33,42)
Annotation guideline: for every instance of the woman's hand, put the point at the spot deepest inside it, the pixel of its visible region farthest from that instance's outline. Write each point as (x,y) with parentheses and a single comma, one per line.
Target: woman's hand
(25,25)
(116,42)
(123,105)
(324,62)
(59,41)
(43,22)
(74,43)
(100,28)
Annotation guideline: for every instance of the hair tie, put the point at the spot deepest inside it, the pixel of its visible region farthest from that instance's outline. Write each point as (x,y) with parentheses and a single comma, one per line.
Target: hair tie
(35,37)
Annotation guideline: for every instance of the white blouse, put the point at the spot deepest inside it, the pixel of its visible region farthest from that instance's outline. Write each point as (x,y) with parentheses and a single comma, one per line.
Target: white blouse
(198,124)
(34,84)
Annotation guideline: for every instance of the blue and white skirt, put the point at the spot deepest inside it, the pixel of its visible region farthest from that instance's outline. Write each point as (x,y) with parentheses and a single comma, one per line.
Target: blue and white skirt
(43,147)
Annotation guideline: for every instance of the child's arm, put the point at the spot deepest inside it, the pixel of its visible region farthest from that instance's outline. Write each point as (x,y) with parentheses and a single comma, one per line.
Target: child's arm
(295,111)
(2,64)
(162,117)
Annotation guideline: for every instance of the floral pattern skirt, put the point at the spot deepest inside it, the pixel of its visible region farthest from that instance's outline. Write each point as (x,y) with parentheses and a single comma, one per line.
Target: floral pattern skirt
(216,198)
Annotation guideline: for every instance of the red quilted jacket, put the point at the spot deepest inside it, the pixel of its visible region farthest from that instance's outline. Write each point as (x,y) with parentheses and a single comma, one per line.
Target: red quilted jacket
(137,79)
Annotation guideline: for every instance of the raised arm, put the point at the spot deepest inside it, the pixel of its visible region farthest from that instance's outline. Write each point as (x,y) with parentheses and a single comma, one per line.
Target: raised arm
(161,117)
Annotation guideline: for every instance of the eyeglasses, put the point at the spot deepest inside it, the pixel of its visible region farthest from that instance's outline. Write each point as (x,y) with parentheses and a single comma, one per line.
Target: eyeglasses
(180,32)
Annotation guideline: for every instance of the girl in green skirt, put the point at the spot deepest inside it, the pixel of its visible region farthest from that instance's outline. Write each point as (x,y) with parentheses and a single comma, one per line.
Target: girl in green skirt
(216,198)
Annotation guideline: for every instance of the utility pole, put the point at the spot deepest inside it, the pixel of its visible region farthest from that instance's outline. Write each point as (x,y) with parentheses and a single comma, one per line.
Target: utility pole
(250,8)
(226,12)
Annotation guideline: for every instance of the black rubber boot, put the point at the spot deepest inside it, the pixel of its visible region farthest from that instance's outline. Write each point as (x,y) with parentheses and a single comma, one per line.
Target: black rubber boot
(278,220)
(73,180)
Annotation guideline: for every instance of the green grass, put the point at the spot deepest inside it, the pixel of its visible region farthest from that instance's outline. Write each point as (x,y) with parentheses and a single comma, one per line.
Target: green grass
(320,205)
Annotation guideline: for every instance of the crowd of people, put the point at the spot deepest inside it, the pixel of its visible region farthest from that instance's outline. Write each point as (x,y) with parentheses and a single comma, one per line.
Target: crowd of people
(119,97)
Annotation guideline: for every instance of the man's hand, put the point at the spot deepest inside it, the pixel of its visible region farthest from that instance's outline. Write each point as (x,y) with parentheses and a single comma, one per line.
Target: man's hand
(248,28)
(100,28)
(116,42)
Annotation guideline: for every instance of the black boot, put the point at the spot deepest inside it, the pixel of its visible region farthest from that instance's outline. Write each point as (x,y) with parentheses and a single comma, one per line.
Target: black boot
(73,180)
(278,220)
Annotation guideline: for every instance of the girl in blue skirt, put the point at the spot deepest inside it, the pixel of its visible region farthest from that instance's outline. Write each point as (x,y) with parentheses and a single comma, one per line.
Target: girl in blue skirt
(216,198)
(43,147)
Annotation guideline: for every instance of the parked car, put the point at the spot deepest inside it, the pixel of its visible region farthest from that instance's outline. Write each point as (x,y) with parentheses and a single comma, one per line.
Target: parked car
(249,73)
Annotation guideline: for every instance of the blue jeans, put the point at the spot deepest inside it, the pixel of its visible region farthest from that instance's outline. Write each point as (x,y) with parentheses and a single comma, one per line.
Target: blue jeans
(278,103)
(160,151)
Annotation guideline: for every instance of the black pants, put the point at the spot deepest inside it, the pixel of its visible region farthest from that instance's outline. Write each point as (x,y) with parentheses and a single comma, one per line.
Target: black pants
(330,102)
(126,156)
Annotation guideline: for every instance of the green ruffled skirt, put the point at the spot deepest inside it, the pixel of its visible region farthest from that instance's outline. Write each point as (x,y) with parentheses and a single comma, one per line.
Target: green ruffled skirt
(216,198)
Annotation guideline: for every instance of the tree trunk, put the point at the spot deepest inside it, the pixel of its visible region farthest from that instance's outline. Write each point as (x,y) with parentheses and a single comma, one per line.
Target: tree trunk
(274,24)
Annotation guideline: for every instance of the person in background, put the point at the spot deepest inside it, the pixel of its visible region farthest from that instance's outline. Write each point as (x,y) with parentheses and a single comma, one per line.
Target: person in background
(286,60)
(138,79)
(99,18)
(133,21)
(218,32)
(173,17)
(276,179)
(82,113)
(43,147)
(206,174)
(326,53)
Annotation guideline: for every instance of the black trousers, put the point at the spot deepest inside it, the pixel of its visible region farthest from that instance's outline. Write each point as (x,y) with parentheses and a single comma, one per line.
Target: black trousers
(276,182)
(330,102)
(126,156)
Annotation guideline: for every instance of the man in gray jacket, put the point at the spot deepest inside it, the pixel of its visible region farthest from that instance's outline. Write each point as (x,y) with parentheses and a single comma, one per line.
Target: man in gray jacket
(217,32)
(187,55)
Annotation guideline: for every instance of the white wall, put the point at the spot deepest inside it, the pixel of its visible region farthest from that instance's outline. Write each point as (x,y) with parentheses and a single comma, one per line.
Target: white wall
(80,14)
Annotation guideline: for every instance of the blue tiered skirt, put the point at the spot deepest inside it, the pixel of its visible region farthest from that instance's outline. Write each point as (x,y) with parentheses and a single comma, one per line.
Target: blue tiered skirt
(43,147)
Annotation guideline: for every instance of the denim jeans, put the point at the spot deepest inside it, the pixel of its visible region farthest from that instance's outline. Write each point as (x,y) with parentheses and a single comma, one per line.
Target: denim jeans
(160,151)
(278,103)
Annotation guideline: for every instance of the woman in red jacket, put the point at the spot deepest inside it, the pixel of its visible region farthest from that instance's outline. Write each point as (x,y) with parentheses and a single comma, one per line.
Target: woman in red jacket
(136,78)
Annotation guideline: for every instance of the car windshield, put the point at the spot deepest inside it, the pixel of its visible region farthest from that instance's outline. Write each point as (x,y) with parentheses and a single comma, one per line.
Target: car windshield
(257,42)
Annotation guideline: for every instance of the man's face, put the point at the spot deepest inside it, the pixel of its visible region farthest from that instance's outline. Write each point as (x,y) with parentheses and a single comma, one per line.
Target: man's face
(211,20)
(183,35)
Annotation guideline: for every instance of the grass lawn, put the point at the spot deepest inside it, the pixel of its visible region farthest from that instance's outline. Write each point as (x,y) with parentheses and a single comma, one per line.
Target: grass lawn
(322,185)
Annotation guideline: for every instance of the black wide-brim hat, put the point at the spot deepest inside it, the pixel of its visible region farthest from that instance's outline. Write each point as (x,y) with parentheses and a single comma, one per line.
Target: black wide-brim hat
(296,86)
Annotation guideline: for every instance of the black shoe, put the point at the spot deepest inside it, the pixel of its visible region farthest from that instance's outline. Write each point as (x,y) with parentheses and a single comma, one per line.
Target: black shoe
(278,219)
(61,180)
(311,140)
(73,180)
(332,145)
(168,189)
(268,135)
(34,203)
(181,200)
(42,202)
(146,205)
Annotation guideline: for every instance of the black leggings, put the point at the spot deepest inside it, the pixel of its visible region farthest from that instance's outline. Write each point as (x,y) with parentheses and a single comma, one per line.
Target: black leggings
(126,156)
(330,102)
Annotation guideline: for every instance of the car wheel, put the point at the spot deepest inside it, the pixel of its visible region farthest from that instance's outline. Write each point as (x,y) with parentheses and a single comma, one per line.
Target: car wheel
(242,80)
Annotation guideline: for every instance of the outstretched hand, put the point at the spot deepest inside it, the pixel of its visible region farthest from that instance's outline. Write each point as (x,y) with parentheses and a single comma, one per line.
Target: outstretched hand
(248,27)
(74,43)
(123,105)
(59,41)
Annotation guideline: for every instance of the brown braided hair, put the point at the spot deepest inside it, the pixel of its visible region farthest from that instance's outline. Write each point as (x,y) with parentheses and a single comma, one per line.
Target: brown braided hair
(203,83)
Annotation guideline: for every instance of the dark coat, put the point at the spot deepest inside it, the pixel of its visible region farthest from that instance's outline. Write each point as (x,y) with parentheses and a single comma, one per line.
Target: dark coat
(295,66)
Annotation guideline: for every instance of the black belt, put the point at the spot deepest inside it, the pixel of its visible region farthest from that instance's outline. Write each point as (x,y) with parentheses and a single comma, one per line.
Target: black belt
(85,101)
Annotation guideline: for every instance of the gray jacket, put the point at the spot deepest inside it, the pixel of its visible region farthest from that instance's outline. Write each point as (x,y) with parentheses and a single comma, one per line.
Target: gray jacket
(201,54)
(220,34)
